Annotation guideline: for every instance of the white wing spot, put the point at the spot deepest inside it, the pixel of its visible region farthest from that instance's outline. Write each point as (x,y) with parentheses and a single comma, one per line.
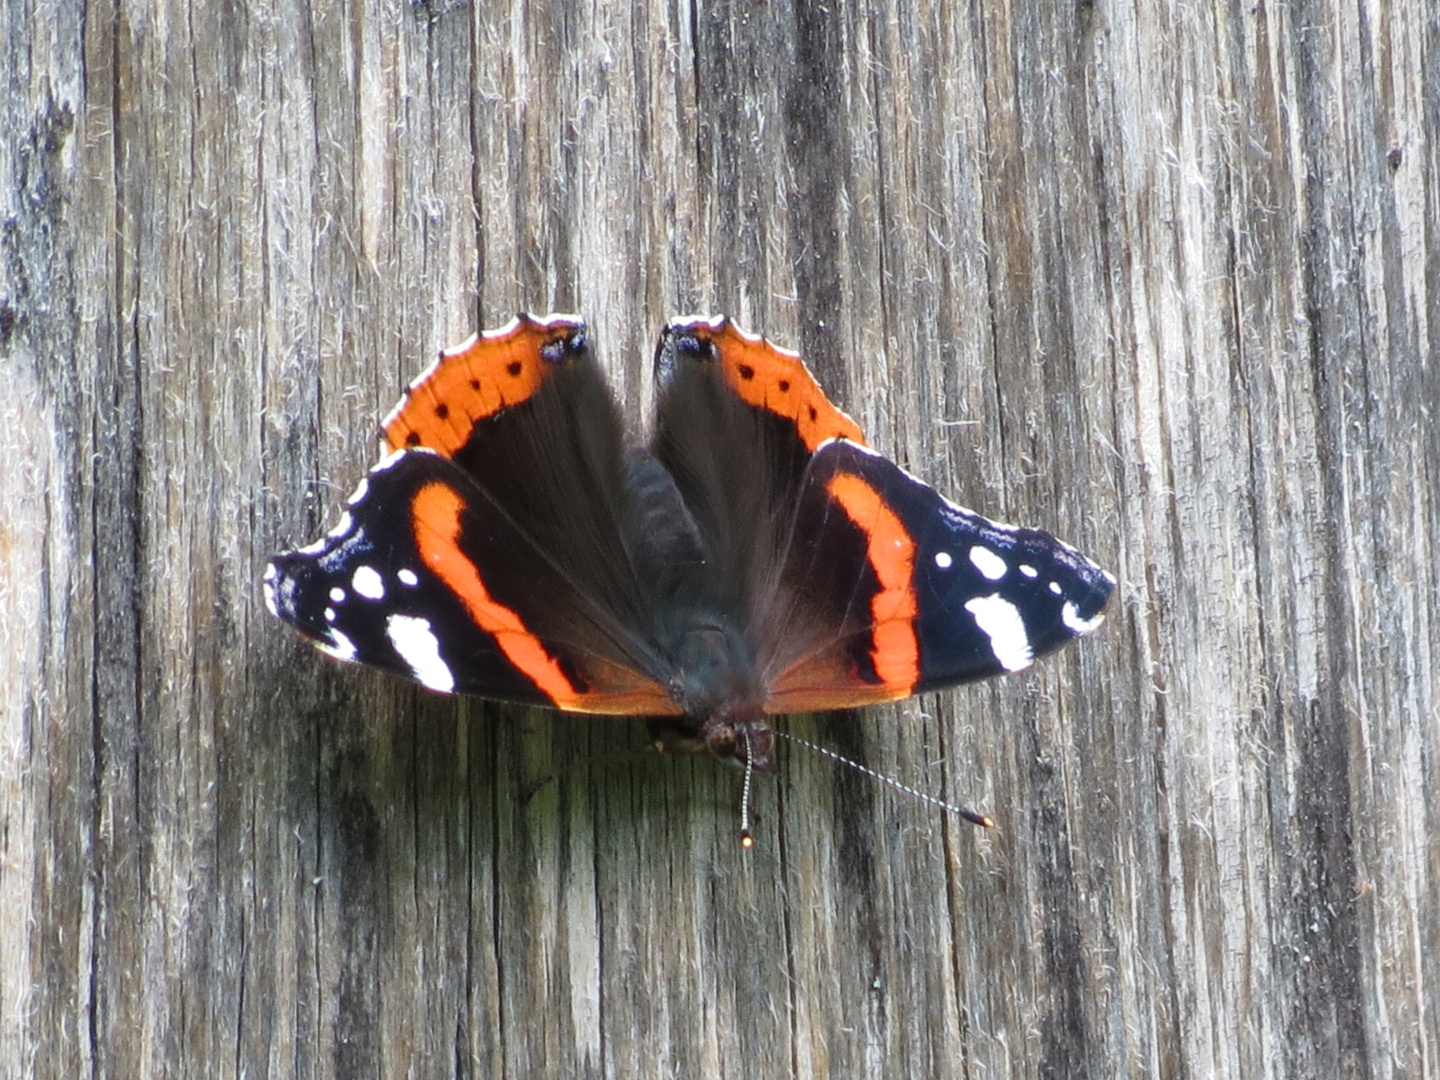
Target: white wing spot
(339,646)
(270,598)
(329,614)
(1070,616)
(1029,571)
(943,560)
(368,583)
(414,641)
(988,563)
(1003,624)
(337,594)
(1055,588)
(407,577)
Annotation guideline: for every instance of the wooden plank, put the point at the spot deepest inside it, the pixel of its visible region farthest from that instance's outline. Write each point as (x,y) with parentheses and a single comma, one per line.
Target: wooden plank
(1160,278)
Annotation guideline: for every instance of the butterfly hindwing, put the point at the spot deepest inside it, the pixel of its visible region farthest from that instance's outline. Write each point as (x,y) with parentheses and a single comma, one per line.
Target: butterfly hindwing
(770,380)
(737,421)
(480,380)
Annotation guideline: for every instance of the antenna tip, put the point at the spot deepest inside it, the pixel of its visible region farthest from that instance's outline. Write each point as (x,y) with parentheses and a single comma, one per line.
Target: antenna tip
(747,840)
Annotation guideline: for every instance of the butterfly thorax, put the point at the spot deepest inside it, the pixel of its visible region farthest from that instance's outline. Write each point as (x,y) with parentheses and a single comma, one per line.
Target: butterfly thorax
(716,681)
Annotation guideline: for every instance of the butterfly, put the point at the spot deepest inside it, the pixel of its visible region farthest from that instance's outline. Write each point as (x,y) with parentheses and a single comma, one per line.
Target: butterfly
(755,558)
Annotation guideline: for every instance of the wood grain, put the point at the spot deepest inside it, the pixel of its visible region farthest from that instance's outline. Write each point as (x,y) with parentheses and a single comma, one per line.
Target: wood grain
(1159,277)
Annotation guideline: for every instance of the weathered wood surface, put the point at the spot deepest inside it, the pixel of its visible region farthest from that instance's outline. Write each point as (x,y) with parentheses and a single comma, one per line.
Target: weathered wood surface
(1163,278)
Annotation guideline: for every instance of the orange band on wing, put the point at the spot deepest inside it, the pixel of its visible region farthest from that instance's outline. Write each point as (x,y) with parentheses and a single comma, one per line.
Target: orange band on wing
(778,381)
(436,513)
(895,649)
(488,373)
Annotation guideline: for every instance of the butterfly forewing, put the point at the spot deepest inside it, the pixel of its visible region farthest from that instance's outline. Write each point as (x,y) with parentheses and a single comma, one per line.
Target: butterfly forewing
(944,596)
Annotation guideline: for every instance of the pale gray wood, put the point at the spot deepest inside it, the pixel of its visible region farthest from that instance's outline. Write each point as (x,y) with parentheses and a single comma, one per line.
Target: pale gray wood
(1160,278)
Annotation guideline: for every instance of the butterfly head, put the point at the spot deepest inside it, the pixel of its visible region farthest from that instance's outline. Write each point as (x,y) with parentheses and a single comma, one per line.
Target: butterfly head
(737,736)
(740,735)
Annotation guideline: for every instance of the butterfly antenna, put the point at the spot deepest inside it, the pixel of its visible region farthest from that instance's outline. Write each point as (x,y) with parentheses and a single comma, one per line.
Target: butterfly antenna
(964,812)
(747,839)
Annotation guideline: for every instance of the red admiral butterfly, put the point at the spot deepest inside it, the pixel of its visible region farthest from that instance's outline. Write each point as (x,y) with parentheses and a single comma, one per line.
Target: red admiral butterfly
(758,558)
